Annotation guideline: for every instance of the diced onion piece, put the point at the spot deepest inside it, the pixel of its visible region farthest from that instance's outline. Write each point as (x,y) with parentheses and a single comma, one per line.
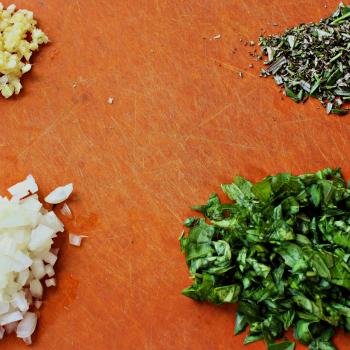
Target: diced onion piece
(50,219)
(23,277)
(38,269)
(19,300)
(75,239)
(21,261)
(51,282)
(27,341)
(60,194)
(29,296)
(23,188)
(26,68)
(4,307)
(27,326)
(8,246)
(10,317)
(11,8)
(50,258)
(12,217)
(36,289)
(49,270)
(65,210)
(41,237)
(31,203)
(4,79)
(27,230)
(38,304)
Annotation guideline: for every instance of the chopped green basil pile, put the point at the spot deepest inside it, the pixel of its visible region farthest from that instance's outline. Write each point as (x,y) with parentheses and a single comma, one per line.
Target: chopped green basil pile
(313,60)
(282,251)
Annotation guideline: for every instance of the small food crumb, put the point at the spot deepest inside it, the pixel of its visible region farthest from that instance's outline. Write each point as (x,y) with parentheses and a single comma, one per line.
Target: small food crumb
(217,37)
(110,100)
(19,37)
(240,74)
(250,66)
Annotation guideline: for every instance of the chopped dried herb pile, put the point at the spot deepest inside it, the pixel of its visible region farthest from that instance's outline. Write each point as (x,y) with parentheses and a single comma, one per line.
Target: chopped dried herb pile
(313,60)
(281,250)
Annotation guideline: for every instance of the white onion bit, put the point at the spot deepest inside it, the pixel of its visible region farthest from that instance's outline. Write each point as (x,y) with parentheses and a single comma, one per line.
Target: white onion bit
(23,277)
(38,304)
(75,239)
(38,269)
(4,307)
(66,211)
(10,317)
(20,301)
(36,288)
(27,258)
(50,258)
(23,188)
(60,194)
(51,282)
(27,341)
(49,270)
(27,326)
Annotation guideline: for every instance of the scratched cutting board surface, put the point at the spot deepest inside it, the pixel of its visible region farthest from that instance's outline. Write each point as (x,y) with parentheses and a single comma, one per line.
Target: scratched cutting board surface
(182,122)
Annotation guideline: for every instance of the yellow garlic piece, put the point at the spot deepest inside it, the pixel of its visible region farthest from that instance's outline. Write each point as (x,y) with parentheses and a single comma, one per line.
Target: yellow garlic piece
(19,37)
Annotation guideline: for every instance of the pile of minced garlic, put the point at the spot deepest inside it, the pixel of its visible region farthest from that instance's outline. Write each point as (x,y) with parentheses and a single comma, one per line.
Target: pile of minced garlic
(19,37)
(27,257)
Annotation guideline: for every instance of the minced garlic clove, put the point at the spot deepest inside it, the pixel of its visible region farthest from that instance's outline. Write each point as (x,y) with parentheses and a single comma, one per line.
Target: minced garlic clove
(19,37)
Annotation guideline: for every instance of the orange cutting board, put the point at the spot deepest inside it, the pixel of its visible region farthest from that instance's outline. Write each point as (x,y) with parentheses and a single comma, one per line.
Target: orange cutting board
(182,122)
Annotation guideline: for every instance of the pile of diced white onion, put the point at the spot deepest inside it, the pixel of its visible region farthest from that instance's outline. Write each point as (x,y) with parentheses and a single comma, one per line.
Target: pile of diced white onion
(27,258)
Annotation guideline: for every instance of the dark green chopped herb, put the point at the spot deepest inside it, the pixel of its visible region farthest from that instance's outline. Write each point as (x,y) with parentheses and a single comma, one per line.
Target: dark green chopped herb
(282,346)
(281,250)
(313,60)
(241,323)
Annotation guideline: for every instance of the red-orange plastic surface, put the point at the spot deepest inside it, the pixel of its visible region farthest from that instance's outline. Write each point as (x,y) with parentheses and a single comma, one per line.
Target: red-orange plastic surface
(182,122)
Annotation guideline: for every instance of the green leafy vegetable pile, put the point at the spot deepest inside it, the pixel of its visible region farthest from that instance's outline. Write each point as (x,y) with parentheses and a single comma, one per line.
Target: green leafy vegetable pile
(313,60)
(282,251)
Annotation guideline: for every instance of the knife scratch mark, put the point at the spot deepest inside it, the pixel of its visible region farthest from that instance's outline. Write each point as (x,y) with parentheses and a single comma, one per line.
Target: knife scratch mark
(232,144)
(233,68)
(156,171)
(73,108)
(321,152)
(338,149)
(208,119)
